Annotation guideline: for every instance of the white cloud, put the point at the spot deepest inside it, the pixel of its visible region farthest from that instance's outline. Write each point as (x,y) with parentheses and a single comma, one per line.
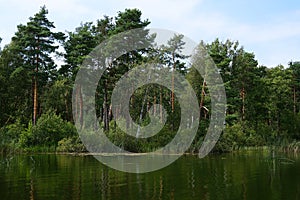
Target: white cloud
(274,42)
(169,10)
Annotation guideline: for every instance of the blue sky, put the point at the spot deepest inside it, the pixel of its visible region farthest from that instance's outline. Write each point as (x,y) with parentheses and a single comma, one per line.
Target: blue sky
(270,29)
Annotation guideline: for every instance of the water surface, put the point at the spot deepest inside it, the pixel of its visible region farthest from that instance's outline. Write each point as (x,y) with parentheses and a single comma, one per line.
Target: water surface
(244,175)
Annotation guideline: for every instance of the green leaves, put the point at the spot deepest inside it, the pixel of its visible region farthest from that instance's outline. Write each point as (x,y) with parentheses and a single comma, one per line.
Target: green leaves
(50,129)
(263,103)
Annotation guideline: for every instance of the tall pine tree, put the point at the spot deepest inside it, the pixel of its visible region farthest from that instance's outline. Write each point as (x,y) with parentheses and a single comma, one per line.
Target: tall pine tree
(36,43)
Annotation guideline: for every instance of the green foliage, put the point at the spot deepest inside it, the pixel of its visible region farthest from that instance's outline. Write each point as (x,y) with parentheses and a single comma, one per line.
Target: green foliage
(50,129)
(9,136)
(240,135)
(70,144)
(263,104)
(232,138)
(58,98)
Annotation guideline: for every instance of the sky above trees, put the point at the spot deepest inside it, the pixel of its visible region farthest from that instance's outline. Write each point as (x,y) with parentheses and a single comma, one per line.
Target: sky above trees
(271,29)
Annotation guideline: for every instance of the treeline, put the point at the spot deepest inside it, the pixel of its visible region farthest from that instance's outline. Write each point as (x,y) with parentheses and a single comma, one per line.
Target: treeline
(263,103)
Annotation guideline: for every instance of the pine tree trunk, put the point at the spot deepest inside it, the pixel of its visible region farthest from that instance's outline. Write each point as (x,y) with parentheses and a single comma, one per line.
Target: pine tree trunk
(161,105)
(80,107)
(35,90)
(173,79)
(67,108)
(110,115)
(106,108)
(202,97)
(35,106)
(148,105)
(172,92)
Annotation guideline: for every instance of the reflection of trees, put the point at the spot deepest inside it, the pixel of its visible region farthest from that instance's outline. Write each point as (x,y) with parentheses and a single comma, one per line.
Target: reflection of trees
(31,189)
(226,176)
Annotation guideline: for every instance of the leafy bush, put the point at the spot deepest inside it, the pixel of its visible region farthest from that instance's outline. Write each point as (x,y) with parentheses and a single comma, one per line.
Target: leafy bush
(50,129)
(71,144)
(9,136)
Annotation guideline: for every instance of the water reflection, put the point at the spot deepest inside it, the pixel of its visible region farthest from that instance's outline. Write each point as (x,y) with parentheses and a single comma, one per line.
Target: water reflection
(254,175)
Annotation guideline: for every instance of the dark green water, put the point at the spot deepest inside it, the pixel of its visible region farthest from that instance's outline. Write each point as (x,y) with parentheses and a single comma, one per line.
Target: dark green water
(250,175)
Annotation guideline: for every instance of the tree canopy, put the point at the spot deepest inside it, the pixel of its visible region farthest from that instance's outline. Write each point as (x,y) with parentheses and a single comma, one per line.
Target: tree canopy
(263,104)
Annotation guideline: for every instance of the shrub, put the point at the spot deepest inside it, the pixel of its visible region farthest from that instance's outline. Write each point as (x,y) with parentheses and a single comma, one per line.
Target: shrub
(71,144)
(50,129)
(9,136)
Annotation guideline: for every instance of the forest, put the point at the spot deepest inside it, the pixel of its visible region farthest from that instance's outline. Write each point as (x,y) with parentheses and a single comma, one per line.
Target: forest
(263,103)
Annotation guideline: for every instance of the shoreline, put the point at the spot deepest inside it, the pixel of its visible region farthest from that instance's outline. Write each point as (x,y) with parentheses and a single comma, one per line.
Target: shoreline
(241,150)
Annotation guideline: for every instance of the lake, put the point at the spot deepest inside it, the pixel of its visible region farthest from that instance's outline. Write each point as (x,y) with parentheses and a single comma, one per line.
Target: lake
(243,175)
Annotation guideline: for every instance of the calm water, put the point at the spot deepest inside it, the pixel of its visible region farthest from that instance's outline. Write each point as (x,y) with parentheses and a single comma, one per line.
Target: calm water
(251,175)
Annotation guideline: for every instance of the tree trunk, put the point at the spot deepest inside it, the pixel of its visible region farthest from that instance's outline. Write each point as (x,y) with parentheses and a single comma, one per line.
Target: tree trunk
(67,108)
(35,90)
(161,105)
(202,97)
(106,108)
(148,105)
(172,92)
(110,115)
(35,106)
(78,106)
